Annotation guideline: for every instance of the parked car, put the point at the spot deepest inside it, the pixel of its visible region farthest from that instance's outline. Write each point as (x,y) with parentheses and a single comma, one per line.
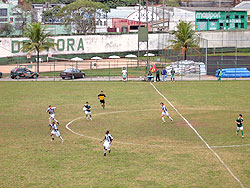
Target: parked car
(22,73)
(72,74)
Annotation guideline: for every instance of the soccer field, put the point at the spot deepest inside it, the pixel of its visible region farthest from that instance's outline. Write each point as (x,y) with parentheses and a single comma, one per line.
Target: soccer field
(145,152)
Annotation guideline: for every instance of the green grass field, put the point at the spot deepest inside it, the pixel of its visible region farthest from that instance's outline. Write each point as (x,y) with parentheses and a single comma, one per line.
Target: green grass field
(145,152)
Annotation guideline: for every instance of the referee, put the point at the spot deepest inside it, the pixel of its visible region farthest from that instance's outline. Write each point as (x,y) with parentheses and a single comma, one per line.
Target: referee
(102,97)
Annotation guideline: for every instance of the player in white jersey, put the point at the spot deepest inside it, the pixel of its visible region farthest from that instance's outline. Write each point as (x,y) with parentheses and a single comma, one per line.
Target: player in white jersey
(55,131)
(52,112)
(107,142)
(124,74)
(164,112)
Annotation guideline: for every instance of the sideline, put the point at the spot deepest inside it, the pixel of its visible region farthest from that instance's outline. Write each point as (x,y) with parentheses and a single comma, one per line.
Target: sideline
(197,133)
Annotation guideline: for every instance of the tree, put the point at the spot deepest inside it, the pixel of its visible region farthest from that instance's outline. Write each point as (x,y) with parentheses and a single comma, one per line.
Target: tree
(24,13)
(6,29)
(38,40)
(116,3)
(82,14)
(184,38)
(50,15)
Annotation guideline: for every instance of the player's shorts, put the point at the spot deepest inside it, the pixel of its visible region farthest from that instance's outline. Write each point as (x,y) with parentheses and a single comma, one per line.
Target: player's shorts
(87,113)
(102,101)
(52,116)
(124,76)
(172,75)
(240,128)
(107,144)
(57,133)
(165,113)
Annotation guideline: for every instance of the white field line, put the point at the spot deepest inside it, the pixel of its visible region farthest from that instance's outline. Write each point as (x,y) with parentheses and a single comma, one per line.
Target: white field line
(135,144)
(196,132)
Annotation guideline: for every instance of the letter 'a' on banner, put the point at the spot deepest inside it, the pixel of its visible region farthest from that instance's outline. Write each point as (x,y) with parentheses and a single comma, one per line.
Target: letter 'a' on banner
(143,34)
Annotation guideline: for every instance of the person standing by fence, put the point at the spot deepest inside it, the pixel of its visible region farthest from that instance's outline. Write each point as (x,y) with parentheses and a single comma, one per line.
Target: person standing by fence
(219,76)
(172,75)
(163,75)
(157,77)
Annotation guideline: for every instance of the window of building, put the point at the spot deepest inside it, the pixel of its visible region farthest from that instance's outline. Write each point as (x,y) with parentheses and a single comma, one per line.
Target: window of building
(3,11)
(236,25)
(105,23)
(221,26)
(3,19)
(242,25)
(227,24)
(134,27)
(228,16)
(248,18)
(213,20)
(100,22)
(18,19)
(201,20)
(236,16)
(242,16)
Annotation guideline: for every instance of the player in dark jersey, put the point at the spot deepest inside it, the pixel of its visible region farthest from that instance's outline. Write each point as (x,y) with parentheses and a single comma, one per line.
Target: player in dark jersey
(102,97)
(239,122)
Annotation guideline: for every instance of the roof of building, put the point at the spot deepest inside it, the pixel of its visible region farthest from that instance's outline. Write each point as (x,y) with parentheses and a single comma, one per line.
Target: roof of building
(120,13)
(243,5)
(222,9)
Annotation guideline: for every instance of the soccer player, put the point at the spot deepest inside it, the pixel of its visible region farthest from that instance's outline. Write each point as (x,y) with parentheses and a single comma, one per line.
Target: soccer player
(87,109)
(107,142)
(124,74)
(102,97)
(55,131)
(172,75)
(164,113)
(52,111)
(239,122)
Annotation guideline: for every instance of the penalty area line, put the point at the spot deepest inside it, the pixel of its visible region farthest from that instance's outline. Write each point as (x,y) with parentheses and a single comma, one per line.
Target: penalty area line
(197,133)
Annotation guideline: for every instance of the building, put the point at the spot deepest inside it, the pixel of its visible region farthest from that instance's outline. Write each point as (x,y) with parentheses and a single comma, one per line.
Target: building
(13,17)
(245,6)
(208,3)
(212,18)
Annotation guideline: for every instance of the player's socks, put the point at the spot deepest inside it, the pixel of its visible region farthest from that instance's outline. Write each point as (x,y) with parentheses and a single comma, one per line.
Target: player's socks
(109,150)
(237,132)
(242,134)
(171,118)
(163,119)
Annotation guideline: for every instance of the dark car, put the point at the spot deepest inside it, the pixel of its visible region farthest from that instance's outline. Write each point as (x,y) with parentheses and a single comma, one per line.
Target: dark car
(72,74)
(1,74)
(22,73)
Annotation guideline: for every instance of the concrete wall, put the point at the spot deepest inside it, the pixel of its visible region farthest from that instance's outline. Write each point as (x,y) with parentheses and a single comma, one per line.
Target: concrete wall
(218,39)
(84,44)
(98,44)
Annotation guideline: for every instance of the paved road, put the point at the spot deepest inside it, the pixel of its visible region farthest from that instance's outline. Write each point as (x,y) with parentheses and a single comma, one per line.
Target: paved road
(118,78)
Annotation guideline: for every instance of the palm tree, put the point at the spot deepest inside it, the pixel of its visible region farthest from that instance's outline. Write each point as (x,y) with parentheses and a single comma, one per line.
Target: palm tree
(38,40)
(184,38)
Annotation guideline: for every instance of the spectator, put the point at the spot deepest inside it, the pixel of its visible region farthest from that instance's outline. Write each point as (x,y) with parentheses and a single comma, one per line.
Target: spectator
(172,74)
(150,76)
(157,77)
(220,73)
(163,74)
